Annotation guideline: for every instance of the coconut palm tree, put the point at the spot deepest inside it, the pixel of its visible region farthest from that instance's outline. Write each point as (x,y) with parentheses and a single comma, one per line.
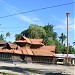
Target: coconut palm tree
(8,34)
(73,43)
(62,38)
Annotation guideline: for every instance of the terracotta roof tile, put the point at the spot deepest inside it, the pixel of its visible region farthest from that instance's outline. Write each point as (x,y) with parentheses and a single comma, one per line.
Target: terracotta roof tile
(44,51)
(6,51)
(51,48)
(24,51)
(29,51)
(27,39)
(37,41)
(3,42)
(17,51)
(12,45)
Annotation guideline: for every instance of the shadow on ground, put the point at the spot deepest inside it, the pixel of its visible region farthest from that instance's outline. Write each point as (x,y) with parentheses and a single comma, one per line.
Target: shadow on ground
(29,70)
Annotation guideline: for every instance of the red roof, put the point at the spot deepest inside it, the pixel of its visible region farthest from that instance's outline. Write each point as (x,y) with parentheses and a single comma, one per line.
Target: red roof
(25,39)
(13,45)
(31,41)
(3,42)
(50,48)
(6,51)
(41,51)
(44,51)
(37,41)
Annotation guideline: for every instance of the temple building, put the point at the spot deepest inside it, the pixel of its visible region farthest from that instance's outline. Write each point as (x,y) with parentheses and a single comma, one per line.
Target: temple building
(28,50)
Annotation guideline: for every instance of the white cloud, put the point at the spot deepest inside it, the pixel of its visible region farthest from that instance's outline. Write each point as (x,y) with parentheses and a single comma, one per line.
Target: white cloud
(14,10)
(63,24)
(29,19)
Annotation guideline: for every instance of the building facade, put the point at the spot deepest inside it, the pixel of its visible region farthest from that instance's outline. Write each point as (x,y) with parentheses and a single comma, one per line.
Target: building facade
(28,50)
(61,59)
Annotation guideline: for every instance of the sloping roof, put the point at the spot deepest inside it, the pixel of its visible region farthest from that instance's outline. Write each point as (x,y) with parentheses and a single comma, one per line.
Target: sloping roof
(37,41)
(12,45)
(31,41)
(38,52)
(44,51)
(29,51)
(50,48)
(25,39)
(6,51)
(24,51)
(17,51)
(3,42)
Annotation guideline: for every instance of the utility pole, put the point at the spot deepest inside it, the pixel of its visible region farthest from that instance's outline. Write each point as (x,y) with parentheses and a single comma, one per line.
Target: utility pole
(67,14)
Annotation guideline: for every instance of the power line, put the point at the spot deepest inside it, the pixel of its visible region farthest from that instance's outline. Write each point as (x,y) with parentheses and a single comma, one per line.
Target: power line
(38,9)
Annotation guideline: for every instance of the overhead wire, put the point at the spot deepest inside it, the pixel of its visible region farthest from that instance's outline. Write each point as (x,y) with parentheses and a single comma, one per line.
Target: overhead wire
(38,9)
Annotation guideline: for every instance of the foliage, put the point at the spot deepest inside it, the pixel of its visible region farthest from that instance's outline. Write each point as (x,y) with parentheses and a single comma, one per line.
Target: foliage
(37,31)
(73,43)
(49,31)
(18,36)
(62,38)
(34,31)
(71,50)
(49,41)
(48,35)
(8,34)
(2,38)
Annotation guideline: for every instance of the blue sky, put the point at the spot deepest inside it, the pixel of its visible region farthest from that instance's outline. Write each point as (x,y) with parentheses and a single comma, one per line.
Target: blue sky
(56,16)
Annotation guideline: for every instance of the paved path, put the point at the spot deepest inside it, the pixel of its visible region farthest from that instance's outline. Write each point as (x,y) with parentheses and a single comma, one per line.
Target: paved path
(34,69)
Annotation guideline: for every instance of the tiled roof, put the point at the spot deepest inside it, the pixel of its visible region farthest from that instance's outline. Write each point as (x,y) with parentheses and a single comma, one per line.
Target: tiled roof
(44,51)
(31,41)
(24,51)
(27,39)
(17,51)
(6,51)
(50,48)
(37,41)
(29,51)
(12,45)
(41,51)
(3,42)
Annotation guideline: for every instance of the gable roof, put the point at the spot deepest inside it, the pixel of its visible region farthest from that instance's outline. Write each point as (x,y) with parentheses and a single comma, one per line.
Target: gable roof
(37,41)
(3,43)
(13,46)
(30,41)
(24,39)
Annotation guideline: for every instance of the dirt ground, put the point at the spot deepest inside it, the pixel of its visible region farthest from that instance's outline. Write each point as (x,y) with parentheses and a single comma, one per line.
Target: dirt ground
(18,68)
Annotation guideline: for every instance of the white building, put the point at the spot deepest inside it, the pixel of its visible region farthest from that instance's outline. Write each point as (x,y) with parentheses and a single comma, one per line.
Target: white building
(61,58)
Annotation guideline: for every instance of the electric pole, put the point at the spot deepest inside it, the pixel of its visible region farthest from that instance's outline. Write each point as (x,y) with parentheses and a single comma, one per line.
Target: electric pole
(67,14)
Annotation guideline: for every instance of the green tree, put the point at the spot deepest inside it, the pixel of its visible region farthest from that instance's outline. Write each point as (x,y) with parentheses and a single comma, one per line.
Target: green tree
(62,38)
(34,31)
(18,36)
(26,33)
(50,32)
(73,43)
(8,34)
(2,38)
(49,41)
(71,50)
